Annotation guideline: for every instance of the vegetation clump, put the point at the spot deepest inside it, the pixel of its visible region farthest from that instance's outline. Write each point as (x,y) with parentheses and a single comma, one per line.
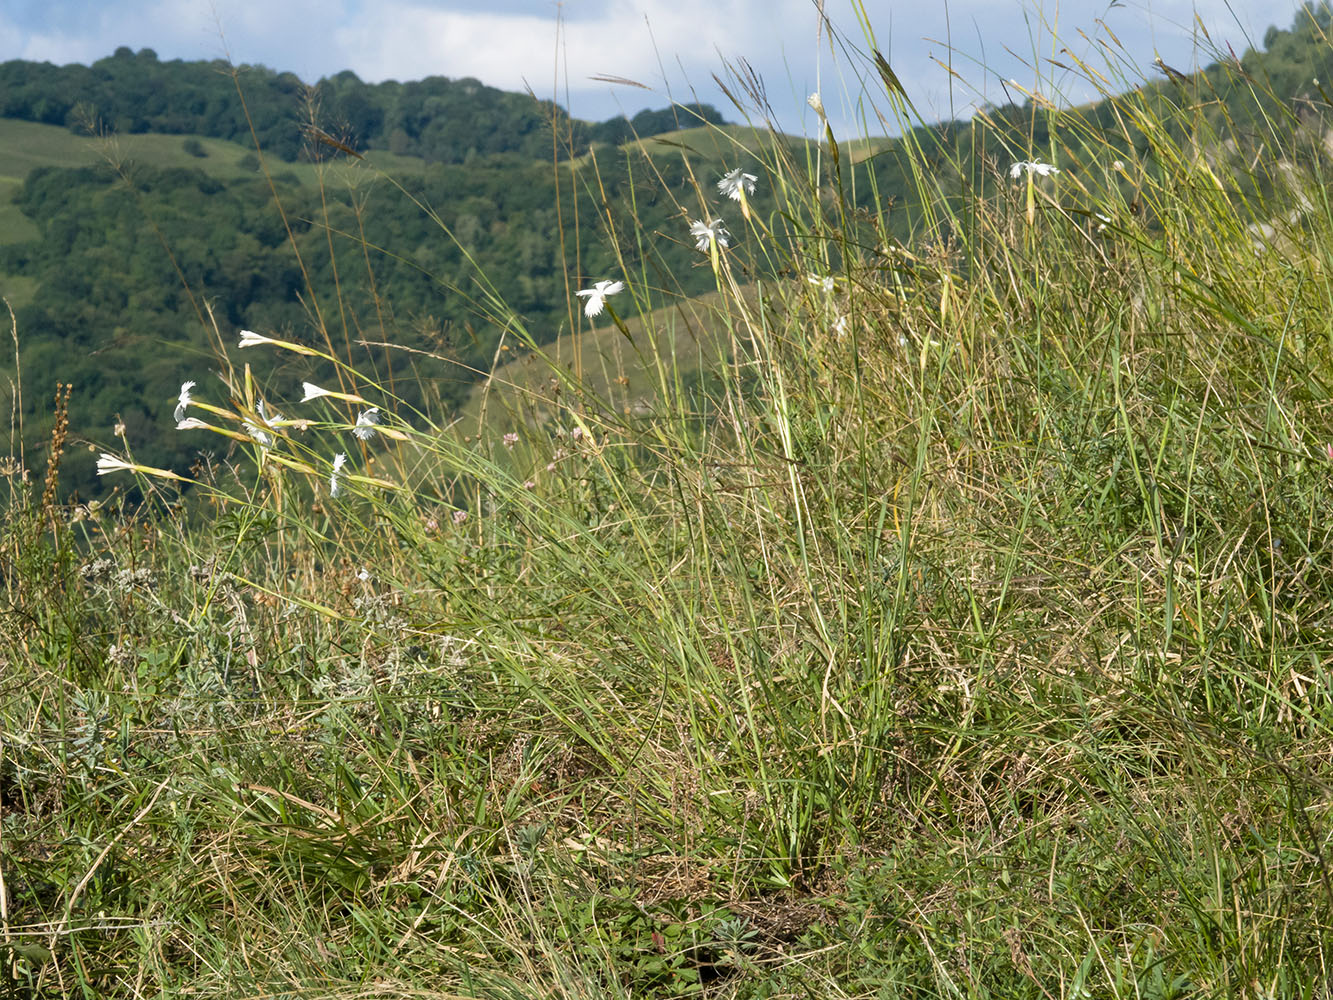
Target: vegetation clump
(953,625)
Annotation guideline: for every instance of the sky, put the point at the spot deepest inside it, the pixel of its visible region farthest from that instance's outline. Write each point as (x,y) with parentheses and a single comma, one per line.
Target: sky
(671,47)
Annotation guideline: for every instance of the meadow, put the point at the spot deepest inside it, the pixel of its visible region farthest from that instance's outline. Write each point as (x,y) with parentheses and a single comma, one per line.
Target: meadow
(931,618)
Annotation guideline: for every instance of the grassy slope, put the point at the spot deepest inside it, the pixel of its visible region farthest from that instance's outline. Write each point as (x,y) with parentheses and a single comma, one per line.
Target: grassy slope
(975,646)
(666,347)
(24,146)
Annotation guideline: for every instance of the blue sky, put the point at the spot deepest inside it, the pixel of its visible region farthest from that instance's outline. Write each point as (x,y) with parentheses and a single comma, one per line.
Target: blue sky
(671,46)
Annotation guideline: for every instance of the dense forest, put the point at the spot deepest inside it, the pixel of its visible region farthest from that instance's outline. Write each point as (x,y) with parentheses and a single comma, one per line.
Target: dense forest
(407,257)
(437,119)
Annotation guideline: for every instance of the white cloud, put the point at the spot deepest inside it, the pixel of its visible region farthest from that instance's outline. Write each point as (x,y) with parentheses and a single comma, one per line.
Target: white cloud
(406,40)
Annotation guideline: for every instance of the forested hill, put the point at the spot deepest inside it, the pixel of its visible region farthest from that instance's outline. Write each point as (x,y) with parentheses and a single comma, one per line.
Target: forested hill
(437,119)
(184,221)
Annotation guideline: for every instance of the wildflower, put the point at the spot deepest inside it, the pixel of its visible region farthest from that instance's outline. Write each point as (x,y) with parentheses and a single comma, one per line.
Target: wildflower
(251,339)
(708,233)
(335,479)
(106,462)
(529,485)
(597,296)
(191,424)
(365,423)
(183,400)
(1118,165)
(736,184)
(260,431)
(364,575)
(816,105)
(460,516)
(1032,167)
(313,391)
(824,283)
(1328,452)
(510,439)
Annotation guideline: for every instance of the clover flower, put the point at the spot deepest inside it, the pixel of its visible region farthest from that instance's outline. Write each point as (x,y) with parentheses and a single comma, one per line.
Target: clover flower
(1032,167)
(597,296)
(736,184)
(365,423)
(510,439)
(183,400)
(335,479)
(459,516)
(708,233)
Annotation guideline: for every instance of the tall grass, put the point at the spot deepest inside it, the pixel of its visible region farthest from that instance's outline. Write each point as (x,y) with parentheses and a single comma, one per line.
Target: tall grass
(962,633)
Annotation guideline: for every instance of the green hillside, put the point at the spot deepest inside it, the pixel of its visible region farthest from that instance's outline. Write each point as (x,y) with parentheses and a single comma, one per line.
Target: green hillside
(419,250)
(920,591)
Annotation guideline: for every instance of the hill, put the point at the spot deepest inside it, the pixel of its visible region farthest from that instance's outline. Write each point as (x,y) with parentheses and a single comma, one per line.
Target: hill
(416,239)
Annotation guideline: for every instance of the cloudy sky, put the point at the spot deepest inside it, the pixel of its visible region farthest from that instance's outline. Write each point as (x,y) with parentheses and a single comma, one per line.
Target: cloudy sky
(671,46)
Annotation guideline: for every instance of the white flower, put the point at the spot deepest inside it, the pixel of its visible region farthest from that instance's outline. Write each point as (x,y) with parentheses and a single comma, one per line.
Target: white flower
(313,391)
(260,431)
(365,423)
(251,339)
(184,400)
(597,296)
(335,480)
(1118,165)
(824,283)
(707,233)
(736,182)
(364,575)
(191,424)
(106,462)
(1032,167)
(817,104)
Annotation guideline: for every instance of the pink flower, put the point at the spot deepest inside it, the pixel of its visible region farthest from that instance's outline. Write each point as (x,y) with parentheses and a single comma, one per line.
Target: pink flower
(510,439)
(460,516)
